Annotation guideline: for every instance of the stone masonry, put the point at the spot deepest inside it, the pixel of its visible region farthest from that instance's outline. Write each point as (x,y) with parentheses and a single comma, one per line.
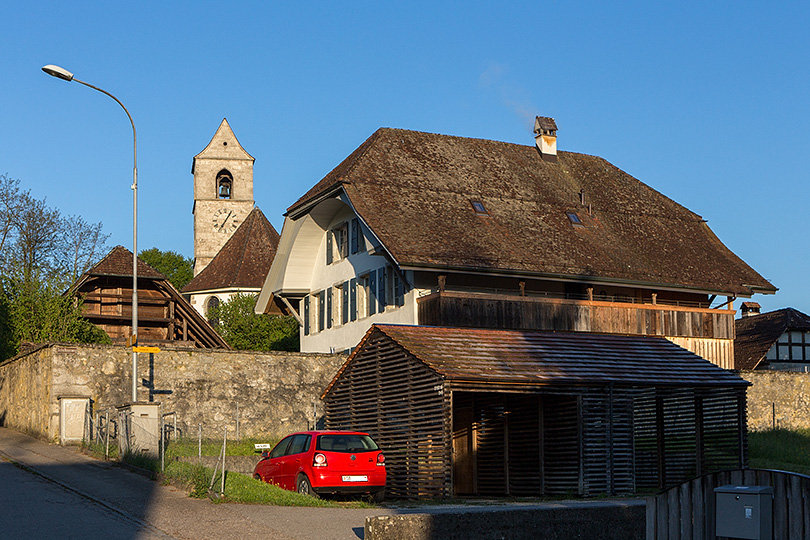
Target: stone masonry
(275,392)
(778,399)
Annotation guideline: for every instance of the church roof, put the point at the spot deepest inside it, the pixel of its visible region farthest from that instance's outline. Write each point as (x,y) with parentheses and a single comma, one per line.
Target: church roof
(118,262)
(757,333)
(223,145)
(243,261)
(579,216)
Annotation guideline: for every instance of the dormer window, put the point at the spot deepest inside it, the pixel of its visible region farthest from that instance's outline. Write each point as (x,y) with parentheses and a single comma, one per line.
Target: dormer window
(224,184)
(479,208)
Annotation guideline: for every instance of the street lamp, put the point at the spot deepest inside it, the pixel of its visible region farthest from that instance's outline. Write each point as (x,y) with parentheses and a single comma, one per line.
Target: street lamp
(61,73)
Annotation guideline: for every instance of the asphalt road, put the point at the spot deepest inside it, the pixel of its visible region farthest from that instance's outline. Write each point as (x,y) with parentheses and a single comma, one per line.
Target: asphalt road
(52,491)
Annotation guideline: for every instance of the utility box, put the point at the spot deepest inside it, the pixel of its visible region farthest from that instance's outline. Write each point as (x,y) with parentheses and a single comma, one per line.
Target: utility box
(744,512)
(73,413)
(139,428)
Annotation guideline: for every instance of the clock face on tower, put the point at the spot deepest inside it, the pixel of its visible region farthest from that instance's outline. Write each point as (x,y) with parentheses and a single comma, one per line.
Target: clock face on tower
(225,220)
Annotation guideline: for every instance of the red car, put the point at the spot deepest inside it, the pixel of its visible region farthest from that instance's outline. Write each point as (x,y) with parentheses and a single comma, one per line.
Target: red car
(320,462)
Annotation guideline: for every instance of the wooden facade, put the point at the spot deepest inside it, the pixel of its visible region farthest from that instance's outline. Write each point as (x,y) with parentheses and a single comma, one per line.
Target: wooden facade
(164,316)
(687,511)
(472,426)
(706,332)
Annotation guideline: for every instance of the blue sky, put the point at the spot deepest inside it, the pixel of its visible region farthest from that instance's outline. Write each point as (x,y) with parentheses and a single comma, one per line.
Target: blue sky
(707,102)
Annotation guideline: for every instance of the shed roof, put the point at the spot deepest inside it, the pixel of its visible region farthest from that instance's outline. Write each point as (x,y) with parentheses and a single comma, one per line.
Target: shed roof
(244,260)
(415,190)
(118,262)
(485,357)
(756,334)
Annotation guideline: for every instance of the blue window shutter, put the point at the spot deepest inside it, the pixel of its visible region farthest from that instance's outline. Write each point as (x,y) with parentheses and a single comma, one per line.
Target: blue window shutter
(355,233)
(372,292)
(328,247)
(353,299)
(381,288)
(329,308)
(345,287)
(306,315)
(321,310)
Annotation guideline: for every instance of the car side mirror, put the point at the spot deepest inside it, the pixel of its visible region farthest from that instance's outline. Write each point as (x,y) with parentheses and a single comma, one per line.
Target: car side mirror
(265,454)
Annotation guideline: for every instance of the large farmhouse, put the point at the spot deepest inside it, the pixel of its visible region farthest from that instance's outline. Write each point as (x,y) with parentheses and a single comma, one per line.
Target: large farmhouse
(418,228)
(504,301)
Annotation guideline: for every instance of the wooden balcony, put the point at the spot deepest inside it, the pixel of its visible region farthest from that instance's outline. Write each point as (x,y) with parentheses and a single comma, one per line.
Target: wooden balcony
(705,331)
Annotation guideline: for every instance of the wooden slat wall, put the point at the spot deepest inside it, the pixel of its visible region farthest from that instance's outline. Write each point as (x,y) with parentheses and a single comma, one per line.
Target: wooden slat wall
(607,442)
(716,351)
(703,430)
(529,313)
(687,511)
(388,394)
(561,445)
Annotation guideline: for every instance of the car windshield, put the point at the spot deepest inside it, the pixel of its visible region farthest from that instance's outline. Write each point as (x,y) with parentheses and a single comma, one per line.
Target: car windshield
(346,443)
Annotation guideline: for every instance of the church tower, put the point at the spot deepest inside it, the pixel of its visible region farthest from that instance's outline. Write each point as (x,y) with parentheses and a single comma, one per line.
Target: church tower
(223,193)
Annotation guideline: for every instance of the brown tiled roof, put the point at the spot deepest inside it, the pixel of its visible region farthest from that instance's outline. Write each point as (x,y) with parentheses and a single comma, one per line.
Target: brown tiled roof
(118,262)
(415,190)
(244,260)
(756,334)
(530,358)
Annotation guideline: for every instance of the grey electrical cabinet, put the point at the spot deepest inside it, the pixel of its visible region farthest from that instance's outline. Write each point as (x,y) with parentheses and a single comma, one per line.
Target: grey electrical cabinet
(744,512)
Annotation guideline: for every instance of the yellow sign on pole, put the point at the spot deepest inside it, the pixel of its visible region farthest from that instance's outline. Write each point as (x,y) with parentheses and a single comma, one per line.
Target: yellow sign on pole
(146,349)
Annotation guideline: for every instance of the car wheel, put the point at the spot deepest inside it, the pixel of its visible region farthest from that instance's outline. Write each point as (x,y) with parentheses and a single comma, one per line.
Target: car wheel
(257,476)
(304,487)
(379,496)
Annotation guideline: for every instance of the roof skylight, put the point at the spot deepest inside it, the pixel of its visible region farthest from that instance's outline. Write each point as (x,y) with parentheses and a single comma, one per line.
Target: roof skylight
(479,208)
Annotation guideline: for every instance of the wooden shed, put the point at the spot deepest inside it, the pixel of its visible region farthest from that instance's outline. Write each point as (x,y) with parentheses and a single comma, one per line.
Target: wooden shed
(164,316)
(461,411)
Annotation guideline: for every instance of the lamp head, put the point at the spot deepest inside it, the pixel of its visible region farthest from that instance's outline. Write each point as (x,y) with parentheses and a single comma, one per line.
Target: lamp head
(58,72)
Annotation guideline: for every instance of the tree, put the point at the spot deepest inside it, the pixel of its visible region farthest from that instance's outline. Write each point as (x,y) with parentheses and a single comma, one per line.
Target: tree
(243,329)
(42,254)
(178,269)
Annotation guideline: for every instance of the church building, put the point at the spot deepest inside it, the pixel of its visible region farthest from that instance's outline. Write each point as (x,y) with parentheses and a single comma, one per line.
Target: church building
(234,243)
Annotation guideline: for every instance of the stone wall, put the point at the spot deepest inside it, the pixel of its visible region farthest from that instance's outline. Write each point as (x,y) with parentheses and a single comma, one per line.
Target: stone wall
(780,398)
(274,392)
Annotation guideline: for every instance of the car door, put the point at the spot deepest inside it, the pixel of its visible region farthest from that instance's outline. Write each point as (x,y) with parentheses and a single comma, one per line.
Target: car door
(270,468)
(291,463)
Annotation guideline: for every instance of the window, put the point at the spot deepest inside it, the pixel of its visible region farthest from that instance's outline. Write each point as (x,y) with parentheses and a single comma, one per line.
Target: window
(395,291)
(299,444)
(224,184)
(793,346)
(212,303)
(479,208)
(362,296)
(574,219)
(337,244)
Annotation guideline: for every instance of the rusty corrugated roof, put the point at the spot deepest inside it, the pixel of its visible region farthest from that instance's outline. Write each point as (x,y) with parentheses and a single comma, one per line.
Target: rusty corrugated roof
(244,260)
(465,355)
(415,190)
(756,334)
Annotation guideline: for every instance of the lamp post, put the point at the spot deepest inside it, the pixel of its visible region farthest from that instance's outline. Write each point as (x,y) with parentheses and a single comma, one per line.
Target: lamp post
(61,73)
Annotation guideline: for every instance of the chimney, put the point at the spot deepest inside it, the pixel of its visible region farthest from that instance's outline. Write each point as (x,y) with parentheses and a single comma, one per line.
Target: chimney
(545,137)
(749,309)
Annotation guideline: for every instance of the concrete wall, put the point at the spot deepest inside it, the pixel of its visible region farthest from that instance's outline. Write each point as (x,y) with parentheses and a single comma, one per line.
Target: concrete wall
(596,521)
(275,392)
(785,392)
